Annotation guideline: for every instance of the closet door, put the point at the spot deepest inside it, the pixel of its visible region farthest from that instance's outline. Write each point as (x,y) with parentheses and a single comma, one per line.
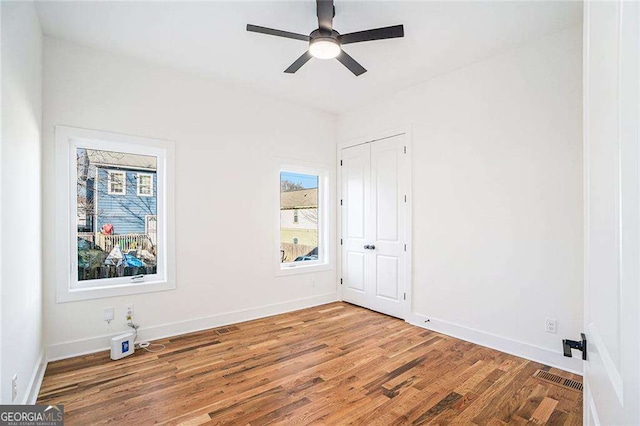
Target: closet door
(387,226)
(357,264)
(373,225)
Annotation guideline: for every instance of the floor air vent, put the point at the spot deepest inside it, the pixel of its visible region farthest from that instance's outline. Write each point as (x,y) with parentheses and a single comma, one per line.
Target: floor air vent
(558,380)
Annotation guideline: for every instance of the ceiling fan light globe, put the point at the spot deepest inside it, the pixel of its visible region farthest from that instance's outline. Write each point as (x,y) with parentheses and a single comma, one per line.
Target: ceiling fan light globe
(324,48)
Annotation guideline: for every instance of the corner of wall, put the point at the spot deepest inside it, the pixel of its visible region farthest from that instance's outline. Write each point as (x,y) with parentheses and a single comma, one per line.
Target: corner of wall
(521,349)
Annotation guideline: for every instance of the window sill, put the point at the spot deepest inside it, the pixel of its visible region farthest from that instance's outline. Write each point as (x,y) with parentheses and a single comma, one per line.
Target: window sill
(73,295)
(303,269)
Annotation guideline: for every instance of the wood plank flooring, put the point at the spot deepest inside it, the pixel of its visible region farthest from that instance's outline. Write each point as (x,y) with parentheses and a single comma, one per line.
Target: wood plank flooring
(333,364)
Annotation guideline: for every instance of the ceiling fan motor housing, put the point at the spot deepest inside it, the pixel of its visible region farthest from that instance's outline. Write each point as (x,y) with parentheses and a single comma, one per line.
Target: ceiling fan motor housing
(324,44)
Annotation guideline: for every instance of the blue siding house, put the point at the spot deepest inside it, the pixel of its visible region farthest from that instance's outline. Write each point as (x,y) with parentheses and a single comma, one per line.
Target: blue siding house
(122,192)
(126,209)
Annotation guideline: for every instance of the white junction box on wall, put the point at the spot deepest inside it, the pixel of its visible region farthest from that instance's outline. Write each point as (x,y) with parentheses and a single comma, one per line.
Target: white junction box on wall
(122,345)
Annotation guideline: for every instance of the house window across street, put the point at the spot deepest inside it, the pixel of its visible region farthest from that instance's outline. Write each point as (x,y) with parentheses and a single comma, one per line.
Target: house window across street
(116,184)
(145,185)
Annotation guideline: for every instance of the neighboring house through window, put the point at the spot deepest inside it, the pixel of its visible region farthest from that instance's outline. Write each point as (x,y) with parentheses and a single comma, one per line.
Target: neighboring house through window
(303,223)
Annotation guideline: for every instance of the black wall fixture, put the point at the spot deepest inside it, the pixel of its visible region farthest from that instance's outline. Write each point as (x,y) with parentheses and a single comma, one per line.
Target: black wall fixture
(567,345)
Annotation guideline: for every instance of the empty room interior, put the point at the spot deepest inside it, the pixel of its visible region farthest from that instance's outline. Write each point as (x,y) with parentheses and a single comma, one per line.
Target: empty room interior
(320,212)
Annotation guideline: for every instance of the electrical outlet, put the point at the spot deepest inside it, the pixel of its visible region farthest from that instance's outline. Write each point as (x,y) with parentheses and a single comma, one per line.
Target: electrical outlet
(14,387)
(129,314)
(550,325)
(313,282)
(108,314)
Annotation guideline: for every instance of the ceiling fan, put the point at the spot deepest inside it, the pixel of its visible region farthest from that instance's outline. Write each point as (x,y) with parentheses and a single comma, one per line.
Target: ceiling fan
(326,43)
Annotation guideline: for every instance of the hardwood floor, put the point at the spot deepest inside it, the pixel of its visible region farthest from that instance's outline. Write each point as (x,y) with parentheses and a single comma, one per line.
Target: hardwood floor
(333,364)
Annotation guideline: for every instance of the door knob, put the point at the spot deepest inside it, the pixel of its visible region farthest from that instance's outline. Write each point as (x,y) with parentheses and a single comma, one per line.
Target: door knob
(369,247)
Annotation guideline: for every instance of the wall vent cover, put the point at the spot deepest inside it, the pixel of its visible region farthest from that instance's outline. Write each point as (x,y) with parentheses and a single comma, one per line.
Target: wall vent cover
(558,380)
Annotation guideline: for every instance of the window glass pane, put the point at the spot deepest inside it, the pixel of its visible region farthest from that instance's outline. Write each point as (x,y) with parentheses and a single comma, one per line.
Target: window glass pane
(298,217)
(116,228)
(145,185)
(116,182)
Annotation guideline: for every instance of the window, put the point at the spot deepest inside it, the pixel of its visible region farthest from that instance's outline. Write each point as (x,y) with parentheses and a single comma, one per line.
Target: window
(117,243)
(145,185)
(117,183)
(303,219)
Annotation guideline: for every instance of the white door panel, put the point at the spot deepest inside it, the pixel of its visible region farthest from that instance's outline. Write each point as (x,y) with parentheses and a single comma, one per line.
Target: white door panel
(611,213)
(384,165)
(374,216)
(387,278)
(356,170)
(388,207)
(355,271)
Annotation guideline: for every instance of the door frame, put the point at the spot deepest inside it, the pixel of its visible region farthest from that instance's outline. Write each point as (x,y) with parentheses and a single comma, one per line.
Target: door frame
(408,231)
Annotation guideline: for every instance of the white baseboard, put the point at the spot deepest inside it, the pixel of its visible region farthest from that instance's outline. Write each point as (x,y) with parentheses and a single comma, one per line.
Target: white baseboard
(100,343)
(524,350)
(31,396)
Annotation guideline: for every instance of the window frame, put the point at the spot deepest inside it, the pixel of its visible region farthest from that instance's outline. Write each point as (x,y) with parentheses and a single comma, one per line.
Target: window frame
(68,140)
(326,209)
(140,194)
(123,173)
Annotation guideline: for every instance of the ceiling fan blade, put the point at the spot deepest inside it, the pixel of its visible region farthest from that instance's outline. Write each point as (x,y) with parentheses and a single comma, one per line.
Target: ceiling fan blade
(279,33)
(350,63)
(298,63)
(325,13)
(376,34)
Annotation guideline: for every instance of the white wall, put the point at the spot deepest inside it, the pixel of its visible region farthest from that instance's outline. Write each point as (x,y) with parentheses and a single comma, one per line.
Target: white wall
(497,195)
(21,197)
(227,191)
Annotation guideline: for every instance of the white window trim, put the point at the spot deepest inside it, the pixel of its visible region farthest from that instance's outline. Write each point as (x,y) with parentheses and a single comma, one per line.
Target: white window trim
(150,184)
(326,228)
(109,181)
(67,287)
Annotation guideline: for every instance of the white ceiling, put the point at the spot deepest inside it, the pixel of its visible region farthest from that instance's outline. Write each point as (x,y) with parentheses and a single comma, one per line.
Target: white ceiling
(209,38)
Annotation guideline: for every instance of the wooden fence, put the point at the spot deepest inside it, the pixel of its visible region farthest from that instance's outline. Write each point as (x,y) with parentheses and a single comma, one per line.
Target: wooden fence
(108,271)
(289,252)
(126,242)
